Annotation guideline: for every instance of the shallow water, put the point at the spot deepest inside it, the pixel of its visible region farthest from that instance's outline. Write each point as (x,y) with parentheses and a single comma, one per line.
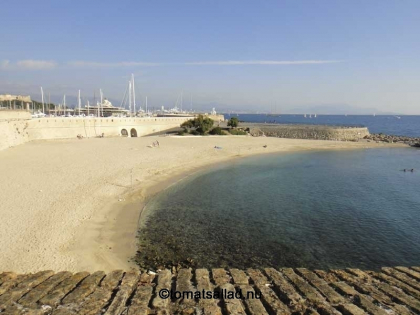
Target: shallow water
(330,209)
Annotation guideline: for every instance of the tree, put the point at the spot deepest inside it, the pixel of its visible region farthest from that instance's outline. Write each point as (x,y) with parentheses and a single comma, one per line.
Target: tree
(233,122)
(201,124)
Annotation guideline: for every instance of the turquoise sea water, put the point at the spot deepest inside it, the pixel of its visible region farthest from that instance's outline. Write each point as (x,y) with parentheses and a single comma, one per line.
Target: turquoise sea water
(330,209)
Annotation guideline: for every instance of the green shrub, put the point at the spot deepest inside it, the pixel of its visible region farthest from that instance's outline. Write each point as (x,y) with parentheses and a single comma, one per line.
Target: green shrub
(233,122)
(195,132)
(188,124)
(217,131)
(200,123)
(237,132)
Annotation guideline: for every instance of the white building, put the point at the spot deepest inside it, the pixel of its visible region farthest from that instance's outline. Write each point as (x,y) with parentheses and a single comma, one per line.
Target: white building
(8,101)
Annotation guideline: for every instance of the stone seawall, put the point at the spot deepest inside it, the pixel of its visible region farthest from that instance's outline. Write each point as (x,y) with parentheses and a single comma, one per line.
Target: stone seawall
(308,132)
(13,133)
(13,128)
(17,127)
(70,127)
(252,292)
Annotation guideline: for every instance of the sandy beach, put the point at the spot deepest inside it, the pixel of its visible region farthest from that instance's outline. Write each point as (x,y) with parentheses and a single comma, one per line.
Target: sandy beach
(74,204)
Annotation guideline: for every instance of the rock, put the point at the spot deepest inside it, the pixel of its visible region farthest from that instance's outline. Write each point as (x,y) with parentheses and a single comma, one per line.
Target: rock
(256,132)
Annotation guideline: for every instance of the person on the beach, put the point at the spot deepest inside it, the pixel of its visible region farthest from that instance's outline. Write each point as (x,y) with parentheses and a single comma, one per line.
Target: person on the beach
(158,144)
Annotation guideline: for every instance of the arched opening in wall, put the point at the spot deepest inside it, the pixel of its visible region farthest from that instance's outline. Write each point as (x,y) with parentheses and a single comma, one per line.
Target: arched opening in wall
(124,133)
(133,132)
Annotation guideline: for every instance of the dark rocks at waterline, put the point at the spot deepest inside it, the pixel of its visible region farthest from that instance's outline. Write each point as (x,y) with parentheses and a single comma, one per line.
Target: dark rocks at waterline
(414,142)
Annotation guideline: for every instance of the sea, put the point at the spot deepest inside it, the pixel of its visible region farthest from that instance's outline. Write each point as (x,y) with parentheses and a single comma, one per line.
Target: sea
(387,124)
(318,209)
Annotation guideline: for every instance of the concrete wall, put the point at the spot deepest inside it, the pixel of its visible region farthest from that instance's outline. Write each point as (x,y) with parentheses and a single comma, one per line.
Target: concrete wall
(14,114)
(17,127)
(13,128)
(13,133)
(70,127)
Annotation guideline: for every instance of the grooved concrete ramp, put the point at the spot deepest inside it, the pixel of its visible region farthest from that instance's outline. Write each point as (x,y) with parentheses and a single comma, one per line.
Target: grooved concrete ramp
(216,291)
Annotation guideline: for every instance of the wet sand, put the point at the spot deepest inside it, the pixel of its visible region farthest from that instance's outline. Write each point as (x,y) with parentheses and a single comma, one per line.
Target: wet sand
(75,204)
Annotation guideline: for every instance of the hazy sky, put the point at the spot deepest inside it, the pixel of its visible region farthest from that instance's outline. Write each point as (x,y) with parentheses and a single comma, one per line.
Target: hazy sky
(245,54)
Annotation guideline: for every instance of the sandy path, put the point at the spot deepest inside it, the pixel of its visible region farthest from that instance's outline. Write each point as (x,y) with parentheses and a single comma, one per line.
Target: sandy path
(59,200)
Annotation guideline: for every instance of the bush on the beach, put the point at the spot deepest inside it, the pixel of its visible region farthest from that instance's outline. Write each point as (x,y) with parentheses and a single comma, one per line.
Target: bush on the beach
(233,122)
(187,124)
(201,124)
(238,132)
(217,131)
(194,132)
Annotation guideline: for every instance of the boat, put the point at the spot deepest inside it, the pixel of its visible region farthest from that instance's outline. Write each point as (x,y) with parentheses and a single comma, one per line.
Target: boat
(102,109)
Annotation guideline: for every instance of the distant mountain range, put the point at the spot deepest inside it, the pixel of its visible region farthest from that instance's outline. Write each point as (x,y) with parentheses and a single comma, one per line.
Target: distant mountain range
(330,109)
(338,109)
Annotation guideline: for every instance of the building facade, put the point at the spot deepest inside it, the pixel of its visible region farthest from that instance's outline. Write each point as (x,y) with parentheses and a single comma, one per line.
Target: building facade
(9,101)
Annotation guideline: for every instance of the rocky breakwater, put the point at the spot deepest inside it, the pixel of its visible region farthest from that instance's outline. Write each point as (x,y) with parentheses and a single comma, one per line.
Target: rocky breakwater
(317,132)
(380,137)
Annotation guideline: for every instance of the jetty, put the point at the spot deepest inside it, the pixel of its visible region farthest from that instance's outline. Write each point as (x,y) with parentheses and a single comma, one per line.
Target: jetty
(252,291)
(302,131)
(299,131)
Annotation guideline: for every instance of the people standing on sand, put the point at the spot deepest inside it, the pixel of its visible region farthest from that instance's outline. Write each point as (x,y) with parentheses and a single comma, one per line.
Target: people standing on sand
(158,144)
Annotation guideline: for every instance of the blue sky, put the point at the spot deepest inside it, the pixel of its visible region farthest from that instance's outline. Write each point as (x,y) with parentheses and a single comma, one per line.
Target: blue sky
(239,54)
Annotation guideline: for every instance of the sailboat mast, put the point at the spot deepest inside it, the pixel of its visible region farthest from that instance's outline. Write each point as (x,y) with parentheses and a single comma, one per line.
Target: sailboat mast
(99,106)
(146,105)
(64,105)
(181,99)
(102,108)
(79,102)
(134,95)
(42,100)
(129,96)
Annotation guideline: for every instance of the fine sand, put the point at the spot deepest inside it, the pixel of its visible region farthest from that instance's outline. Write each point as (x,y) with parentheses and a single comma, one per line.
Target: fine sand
(74,204)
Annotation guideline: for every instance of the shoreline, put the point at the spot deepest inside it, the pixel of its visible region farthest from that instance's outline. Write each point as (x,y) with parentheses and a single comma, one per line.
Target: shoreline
(97,231)
(134,206)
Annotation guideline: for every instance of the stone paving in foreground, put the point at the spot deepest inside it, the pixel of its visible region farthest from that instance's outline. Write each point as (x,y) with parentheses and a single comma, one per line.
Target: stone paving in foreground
(284,291)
